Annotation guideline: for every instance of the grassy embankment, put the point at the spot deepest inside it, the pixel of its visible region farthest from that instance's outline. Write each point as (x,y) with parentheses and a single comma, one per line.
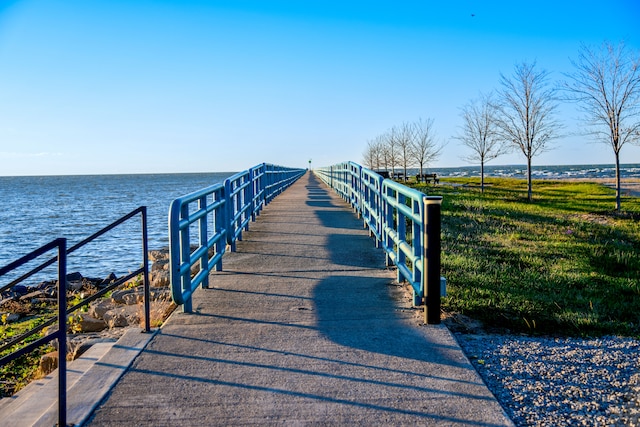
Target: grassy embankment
(18,373)
(564,264)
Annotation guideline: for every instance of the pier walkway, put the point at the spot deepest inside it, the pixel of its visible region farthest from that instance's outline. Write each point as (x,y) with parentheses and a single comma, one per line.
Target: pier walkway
(304,326)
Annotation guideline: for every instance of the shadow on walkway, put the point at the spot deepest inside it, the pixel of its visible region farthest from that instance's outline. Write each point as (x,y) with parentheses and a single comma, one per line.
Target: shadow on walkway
(304,326)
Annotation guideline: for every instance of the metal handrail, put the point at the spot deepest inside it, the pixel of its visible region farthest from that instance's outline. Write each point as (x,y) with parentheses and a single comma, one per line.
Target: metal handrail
(372,203)
(223,212)
(63,311)
(401,206)
(387,207)
(241,205)
(61,334)
(278,179)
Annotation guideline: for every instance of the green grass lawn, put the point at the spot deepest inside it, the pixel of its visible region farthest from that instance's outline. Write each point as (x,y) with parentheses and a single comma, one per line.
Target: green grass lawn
(564,264)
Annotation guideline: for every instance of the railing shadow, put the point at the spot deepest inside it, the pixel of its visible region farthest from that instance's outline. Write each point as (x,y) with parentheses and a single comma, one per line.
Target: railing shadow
(359,312)
(357,309)
(258,347)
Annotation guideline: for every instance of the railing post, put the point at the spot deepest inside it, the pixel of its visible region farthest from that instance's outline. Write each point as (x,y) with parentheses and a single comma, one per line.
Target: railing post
(387,223)
(229,210)
(203,235)
(247,200)
(220,225)
(417,237)
(401,229)
(145,271)
(252,193)
(62,332)
(379,211)
(431,257)
(331,176)
(185,254)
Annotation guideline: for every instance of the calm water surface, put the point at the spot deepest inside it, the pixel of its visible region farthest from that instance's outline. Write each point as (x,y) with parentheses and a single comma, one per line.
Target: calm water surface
(36,210)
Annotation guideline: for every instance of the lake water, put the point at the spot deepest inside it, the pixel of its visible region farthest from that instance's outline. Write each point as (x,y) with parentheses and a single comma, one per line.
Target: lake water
(540,172)
(36,210)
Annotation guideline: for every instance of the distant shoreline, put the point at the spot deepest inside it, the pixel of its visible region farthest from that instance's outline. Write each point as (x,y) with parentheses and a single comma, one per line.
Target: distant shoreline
(630,186)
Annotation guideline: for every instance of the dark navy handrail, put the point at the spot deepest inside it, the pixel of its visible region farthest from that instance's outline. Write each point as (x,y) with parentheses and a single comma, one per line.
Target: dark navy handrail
(386,208)
(203,223)
(61,334)
(143,270)
(63,310)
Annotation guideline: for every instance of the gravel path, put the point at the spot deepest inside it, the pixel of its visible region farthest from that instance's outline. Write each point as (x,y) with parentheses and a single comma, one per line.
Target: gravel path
(560,381)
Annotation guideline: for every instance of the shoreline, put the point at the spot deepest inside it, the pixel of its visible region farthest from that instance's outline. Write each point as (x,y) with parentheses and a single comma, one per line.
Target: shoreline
(630,187)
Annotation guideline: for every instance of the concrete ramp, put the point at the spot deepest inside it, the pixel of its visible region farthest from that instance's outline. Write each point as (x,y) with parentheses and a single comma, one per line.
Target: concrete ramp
(304,326)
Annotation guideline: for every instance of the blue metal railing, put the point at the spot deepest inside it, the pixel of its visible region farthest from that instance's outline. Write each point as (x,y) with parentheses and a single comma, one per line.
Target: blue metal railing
(278,179)
(63,310)
(406,222)
(203,223)
(372,208)
(241,204)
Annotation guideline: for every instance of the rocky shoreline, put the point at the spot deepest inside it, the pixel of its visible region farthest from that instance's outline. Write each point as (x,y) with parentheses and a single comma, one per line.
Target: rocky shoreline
(105,319)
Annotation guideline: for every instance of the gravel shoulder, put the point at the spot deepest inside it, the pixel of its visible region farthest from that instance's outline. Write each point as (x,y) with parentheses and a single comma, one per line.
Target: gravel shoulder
(545,381)
(549,381)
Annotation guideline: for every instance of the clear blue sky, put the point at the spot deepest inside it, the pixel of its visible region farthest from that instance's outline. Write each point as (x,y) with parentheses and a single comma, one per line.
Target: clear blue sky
(196,86)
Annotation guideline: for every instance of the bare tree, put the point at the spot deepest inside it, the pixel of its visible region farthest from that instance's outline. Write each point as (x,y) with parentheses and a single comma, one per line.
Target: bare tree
(374,155)
(480,133)
(381,151)
(527,107)
(404,141)
(391,149)
(606,84)
(369,155)
(425,146)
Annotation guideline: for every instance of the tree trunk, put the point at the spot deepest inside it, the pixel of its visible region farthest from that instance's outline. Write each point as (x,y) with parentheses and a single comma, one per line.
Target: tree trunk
(617,181)
(529,186)
(482,176)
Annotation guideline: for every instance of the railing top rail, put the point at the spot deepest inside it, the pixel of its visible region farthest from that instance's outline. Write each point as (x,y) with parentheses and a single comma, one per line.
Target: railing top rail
(403,189)
(198,194)
(31,256)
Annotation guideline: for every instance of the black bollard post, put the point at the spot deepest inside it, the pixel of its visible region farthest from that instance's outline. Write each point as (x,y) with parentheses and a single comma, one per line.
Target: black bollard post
(432,205)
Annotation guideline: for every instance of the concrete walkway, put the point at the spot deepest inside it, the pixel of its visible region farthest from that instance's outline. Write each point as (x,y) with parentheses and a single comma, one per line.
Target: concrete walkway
(304,327)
